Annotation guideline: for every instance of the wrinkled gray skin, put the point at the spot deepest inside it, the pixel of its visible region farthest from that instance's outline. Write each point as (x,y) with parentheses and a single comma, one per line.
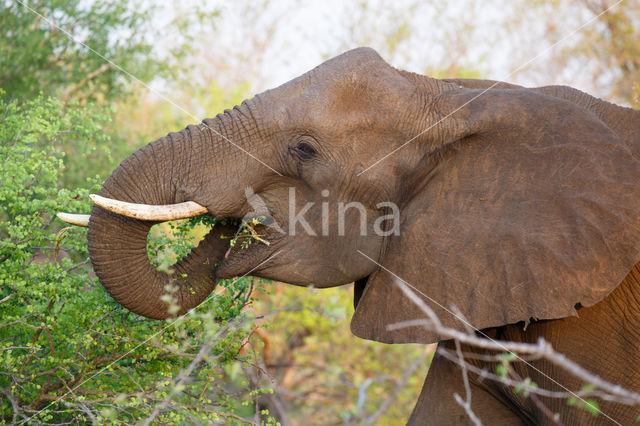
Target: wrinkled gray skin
(516,205)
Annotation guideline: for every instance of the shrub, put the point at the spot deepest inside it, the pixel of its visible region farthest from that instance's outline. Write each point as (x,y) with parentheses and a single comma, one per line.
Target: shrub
(68,352)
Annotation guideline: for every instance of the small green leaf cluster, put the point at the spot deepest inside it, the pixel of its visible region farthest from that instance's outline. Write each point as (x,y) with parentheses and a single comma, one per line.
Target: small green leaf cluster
(168,242)
(588,404)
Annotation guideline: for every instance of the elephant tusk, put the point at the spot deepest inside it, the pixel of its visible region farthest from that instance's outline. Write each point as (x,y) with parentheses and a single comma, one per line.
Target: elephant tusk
(148,211)
(74,219)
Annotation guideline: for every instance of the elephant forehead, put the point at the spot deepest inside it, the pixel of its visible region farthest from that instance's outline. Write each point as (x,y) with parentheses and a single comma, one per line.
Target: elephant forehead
(355,89)
(340,109)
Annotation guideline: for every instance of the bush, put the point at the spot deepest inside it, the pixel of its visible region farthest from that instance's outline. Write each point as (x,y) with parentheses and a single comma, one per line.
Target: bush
(68,352)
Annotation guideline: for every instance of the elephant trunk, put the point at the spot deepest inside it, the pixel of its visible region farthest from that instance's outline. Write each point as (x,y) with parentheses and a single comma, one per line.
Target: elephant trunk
(171,170)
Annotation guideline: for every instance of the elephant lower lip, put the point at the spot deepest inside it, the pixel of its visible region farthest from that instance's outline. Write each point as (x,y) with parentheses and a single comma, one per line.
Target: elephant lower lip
(238,261)
(242,248)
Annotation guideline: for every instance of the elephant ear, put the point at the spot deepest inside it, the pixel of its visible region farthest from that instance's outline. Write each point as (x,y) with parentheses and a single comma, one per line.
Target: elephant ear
(530,210)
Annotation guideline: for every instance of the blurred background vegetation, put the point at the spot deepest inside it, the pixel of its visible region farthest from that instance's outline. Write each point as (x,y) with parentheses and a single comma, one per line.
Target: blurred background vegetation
(68,353)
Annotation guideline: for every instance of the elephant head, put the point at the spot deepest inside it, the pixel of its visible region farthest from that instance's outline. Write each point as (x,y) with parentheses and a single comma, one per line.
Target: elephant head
(509,203)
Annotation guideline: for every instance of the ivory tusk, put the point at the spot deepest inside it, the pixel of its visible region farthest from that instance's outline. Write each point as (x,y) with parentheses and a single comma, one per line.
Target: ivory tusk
(148,211)
(74,219)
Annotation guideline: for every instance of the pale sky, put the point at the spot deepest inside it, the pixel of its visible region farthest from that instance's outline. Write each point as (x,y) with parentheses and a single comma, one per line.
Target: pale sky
(271,42)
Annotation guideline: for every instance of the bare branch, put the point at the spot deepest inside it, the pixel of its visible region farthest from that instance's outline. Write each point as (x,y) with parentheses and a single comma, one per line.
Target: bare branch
(466,404)
(92,75)
(542,350)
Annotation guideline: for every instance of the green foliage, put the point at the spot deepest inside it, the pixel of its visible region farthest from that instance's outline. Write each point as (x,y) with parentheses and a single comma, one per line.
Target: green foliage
(169,242)
(40,57)
(325,369)
(68,352)
(37,57)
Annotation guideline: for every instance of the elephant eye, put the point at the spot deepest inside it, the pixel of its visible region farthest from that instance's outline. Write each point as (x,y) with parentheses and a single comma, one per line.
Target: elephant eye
(304,150)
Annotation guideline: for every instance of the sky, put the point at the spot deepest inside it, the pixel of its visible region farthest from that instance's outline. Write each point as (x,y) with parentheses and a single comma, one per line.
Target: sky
(267,43)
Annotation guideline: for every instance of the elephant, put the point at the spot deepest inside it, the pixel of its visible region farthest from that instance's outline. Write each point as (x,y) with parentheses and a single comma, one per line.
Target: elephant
(520,207)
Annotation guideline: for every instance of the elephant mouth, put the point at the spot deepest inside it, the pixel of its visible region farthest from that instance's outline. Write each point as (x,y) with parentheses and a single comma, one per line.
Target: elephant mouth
(246,248)
(233,246)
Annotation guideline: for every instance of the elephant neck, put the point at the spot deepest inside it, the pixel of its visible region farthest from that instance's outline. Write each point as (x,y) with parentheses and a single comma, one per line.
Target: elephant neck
(623,306)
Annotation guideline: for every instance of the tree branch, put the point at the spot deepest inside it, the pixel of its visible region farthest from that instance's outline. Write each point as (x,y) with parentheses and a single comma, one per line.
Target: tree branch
(542,349)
